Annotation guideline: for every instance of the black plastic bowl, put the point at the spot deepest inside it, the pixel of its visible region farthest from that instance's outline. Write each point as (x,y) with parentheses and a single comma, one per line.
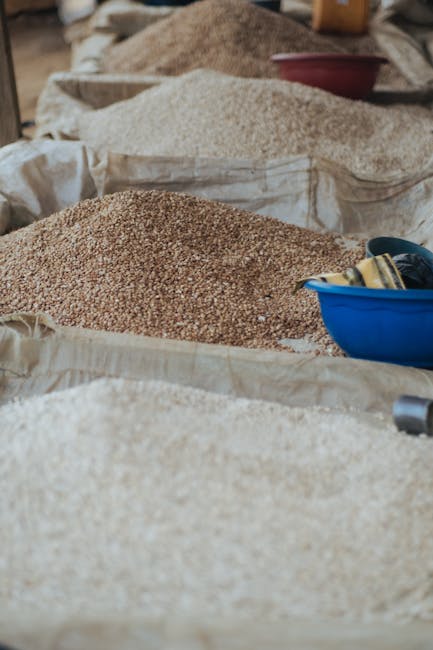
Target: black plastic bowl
(396,246)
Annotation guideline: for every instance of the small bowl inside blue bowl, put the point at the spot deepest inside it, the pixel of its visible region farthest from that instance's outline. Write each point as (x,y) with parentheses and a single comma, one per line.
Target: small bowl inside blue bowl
(389,325)
(396,246)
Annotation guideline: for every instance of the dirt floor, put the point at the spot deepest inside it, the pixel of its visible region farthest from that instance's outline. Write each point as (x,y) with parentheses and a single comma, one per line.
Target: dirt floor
(38,49)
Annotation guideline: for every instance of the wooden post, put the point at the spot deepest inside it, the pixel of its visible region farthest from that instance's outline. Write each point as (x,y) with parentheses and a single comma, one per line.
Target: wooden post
(10,123)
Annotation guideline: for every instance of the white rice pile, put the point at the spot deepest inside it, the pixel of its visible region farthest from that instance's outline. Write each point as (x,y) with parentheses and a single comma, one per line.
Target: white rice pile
(150,499)
(205,113)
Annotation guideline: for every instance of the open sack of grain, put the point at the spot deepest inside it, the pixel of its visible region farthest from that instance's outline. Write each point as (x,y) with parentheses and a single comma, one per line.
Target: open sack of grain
(248,32)
(225,508)
(173,266)
(132,497)
(197,115)
(208,487)
(183,271)
(250,35)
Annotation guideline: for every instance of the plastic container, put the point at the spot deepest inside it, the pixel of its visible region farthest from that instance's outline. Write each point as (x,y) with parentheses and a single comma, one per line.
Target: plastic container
(396,246)
(347,75)
(273,5)
(389,325)
(342,16)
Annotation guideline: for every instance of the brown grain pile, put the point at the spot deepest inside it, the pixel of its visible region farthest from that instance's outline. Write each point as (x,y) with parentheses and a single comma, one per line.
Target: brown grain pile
(232,36)
(205,113)
(170,265)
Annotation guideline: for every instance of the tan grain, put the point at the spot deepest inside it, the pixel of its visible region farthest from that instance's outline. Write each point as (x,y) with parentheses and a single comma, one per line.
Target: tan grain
(170,265)
(232,36)
(205,113)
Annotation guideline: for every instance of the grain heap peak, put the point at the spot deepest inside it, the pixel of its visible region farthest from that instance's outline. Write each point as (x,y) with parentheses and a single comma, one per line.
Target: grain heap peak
(233,36)
(213,115)
(169,265)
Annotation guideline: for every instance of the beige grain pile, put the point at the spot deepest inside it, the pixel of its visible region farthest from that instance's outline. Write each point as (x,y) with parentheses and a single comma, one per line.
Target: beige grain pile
(232,36)
(170,265)
(151,499)
(205,113)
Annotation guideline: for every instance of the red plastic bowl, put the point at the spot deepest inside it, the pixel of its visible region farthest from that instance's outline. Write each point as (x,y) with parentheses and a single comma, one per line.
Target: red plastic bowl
(348,75)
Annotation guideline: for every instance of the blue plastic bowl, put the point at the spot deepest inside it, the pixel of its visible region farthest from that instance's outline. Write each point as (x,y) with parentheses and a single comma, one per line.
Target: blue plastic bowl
(395,246)
(379,324)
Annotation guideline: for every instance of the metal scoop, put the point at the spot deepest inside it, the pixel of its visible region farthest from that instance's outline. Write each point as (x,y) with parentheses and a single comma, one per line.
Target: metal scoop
(413,415)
